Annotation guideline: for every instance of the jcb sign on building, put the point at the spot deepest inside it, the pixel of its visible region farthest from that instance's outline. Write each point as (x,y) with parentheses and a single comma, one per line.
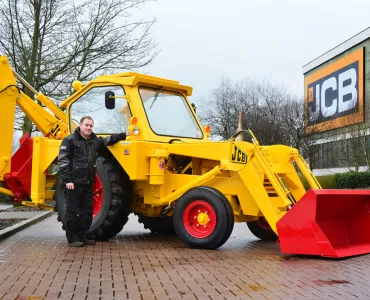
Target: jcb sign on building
(334,94)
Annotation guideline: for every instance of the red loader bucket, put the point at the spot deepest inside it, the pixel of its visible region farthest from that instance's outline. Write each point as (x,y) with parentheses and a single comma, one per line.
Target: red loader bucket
(330,223)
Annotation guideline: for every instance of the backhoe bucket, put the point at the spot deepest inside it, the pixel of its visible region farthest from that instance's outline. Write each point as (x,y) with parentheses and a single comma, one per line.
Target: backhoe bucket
(330,223)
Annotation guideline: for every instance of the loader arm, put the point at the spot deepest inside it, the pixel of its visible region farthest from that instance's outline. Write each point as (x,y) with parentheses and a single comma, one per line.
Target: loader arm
(280,187)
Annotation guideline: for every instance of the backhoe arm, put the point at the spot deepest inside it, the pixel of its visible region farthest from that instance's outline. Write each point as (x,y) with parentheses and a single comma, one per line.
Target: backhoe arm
(15,171)
(52,126)
(9,93)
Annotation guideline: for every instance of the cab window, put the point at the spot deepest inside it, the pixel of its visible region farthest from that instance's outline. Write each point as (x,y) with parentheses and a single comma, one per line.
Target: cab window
(106,121)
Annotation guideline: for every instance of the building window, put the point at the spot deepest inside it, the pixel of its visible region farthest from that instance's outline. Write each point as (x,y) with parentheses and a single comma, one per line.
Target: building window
(340,154)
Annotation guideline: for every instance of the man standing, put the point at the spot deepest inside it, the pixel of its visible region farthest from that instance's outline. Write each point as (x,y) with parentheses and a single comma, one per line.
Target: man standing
(77,167)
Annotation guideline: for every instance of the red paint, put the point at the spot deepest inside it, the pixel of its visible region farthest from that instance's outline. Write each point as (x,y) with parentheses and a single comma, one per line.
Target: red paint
(190,219)
(330,223)
(162,165)
(97,195)
(18,180)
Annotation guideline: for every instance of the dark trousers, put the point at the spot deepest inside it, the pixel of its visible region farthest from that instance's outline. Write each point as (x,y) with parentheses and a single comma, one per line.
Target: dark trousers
(79,213)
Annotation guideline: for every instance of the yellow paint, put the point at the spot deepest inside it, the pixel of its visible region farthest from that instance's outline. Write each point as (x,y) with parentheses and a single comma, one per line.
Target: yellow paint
(8,101)
(77,85)
(45,151)
(37,205)
(203,218)
(6,192)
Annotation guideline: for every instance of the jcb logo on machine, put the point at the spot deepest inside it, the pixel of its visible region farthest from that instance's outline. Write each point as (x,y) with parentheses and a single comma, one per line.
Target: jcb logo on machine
(238,155)
(54,130)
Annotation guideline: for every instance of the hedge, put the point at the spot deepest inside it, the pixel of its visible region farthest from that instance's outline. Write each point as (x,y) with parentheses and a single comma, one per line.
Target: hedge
(326,181)
(352,180)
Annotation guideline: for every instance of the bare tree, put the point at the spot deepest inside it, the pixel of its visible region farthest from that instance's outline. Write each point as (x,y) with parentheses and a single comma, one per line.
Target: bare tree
(269,110)
(53,42)
(220,110)
(354,143)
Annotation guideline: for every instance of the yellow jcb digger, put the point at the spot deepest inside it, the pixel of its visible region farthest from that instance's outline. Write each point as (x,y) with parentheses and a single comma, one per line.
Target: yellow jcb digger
(170,174)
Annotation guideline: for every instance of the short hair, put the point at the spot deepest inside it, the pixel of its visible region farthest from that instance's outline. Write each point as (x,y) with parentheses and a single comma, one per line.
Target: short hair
(86,117)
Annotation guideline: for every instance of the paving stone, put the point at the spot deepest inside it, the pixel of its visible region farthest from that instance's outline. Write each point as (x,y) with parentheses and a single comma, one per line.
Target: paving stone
(37,262)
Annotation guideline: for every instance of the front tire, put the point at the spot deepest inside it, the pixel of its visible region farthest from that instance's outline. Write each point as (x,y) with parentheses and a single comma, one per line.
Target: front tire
(203,218)
(112,200)
(262,230)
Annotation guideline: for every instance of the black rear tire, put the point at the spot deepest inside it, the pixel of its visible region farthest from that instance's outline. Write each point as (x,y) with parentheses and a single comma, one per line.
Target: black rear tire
(163,225)
(262,230)
(116,206)
(218,206)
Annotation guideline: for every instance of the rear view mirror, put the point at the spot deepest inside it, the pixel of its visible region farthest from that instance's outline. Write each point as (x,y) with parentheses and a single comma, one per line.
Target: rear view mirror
(110,102)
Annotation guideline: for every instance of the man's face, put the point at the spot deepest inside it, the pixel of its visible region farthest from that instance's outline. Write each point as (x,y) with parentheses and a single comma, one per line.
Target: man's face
(86,127)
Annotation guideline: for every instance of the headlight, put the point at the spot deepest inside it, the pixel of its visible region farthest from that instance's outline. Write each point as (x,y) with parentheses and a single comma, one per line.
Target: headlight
(136,130)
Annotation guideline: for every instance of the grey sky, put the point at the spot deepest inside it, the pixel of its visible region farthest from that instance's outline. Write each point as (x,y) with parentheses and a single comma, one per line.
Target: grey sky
(203,40)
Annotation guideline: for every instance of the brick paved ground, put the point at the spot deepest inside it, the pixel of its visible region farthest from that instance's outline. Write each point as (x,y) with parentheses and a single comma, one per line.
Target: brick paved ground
(37,264)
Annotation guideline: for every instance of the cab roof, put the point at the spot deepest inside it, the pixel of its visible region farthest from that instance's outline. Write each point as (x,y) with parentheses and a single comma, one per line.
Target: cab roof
(133,79)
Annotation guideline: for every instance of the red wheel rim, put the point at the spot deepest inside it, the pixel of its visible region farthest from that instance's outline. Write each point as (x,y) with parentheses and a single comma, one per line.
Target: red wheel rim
(261,222)
(97,195)
(199,219)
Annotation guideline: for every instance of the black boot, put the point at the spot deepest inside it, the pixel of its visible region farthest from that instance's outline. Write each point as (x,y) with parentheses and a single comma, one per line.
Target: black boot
(84,239)
(88,242)
(76,244)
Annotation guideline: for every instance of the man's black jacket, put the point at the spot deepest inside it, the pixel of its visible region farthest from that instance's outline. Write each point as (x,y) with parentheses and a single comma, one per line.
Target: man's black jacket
(77,156)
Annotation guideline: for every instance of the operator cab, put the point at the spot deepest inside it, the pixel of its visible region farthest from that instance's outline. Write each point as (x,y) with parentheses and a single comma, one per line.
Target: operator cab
(169,114)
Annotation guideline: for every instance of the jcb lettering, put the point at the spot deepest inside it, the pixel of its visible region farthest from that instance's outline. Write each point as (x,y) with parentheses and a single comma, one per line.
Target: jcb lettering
(54,130)
(334,95)
(238,155)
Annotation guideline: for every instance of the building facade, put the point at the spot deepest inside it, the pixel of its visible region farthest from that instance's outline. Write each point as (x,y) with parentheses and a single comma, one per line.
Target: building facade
(337,105)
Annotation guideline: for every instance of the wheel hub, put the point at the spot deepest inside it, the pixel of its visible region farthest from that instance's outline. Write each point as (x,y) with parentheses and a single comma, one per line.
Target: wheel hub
(203,218)
(199,219)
